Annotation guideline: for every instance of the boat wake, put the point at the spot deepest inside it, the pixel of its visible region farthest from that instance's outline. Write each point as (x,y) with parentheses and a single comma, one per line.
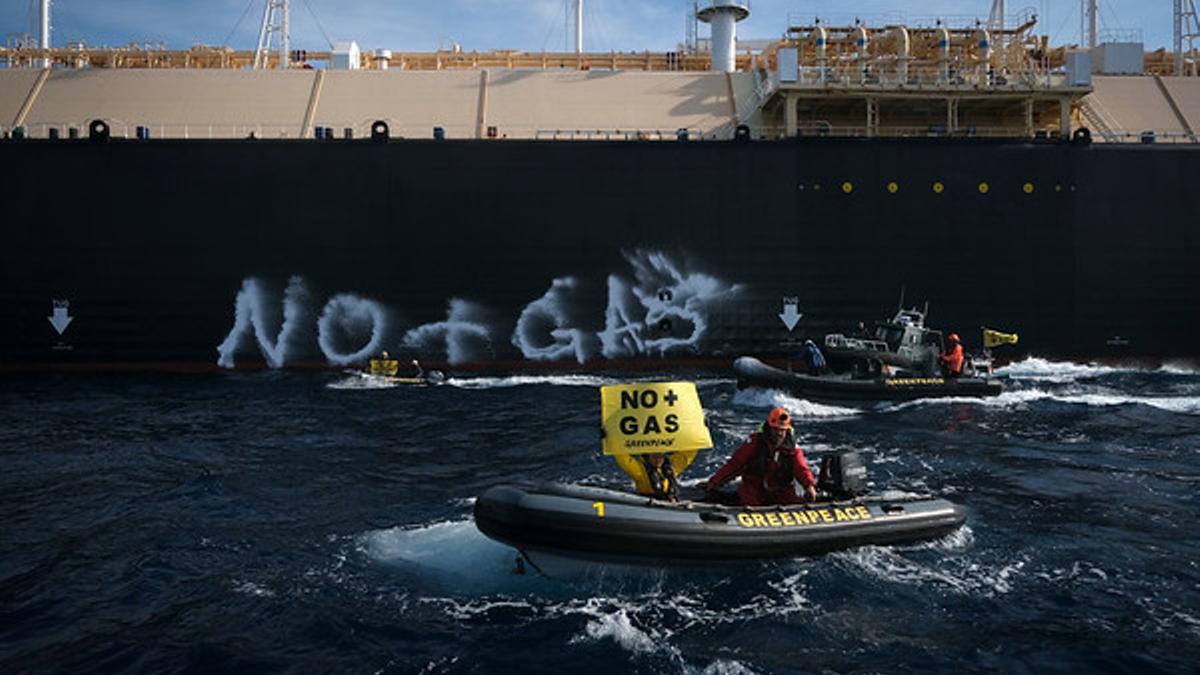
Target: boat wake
(527,380)
(1043,370)
(572,381)
(453,551)
(957,574)
(769,398)
(1022,398)
(355,380)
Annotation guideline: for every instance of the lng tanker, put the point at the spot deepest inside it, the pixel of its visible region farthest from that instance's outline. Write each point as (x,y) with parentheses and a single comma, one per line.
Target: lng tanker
(183,210)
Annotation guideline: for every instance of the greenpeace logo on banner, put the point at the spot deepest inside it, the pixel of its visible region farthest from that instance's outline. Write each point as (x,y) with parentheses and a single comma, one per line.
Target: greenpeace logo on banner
(659,309)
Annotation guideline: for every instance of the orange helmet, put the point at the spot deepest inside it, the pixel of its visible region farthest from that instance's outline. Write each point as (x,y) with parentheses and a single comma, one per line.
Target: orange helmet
(780,419)
(954,337)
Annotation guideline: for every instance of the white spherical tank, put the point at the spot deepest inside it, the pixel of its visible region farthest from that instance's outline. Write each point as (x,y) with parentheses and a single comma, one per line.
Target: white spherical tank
(723,15)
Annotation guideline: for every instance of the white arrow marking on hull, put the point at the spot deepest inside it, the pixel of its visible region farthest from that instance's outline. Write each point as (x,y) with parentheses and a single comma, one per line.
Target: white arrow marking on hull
(791,314)
(60,320)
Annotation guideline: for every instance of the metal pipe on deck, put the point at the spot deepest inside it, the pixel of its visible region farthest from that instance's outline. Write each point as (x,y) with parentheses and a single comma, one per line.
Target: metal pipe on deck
(723,15)
(985,56)
(903,53)
(861,43)
(943,48)
(821,37)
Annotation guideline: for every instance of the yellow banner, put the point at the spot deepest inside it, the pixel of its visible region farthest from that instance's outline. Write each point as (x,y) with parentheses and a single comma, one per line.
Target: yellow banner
(652,417)
(384,366)
(994,338)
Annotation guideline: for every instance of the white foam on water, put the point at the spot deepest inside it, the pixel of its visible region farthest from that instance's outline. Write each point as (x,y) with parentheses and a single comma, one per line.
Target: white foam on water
(525,380)
(956,574)
(251,588)
(1188,405)
(1043,370)
(1007,399)
(618,627)
(464,610)
(570,380)
(765,399)
(959,540)
(792,594)
(357,380)
(722,667)
(1171,368)
(715,382)
(452,549)
(1081,571)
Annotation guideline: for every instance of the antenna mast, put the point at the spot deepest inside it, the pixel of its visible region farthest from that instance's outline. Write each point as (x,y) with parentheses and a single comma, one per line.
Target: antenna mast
(1187,31)
(996,19)
(995,26)
(692,30)
(275,20)
(1088,12)
(578,26)
(44,27)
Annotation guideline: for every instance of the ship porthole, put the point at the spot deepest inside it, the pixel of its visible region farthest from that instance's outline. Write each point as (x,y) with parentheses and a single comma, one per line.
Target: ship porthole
(938,187)
(847,187)
(983,188)
(893,187)
(1028,188)
(1058,188)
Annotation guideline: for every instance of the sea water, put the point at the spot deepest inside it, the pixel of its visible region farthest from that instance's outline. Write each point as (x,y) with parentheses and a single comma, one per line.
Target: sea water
(276,521)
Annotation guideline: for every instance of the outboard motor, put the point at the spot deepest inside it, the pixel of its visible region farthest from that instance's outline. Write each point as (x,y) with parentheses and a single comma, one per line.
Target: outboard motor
(843,475)
(435,377)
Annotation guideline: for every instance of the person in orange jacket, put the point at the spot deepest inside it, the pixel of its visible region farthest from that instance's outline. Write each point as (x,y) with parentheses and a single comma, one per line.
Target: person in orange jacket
(769,464)
(951,360)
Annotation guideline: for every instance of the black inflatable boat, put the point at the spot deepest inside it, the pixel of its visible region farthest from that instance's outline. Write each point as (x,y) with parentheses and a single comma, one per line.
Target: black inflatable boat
(596,523)
(754,373)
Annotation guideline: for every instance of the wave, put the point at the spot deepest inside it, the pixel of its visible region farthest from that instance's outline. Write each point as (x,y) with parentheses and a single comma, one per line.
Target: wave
(606,623)
(1185,405)
(1043,370)
(453,550)
(1179,368)
(361,381)
(576,380)
(769,398)
(960,575)
(526,380)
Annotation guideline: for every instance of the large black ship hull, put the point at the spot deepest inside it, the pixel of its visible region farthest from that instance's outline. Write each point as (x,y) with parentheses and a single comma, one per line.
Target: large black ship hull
(207,254)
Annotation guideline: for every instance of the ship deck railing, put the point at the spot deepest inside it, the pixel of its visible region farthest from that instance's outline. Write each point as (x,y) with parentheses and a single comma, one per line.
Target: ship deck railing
(925,78)
(820,129)
(809,129)
(626,135)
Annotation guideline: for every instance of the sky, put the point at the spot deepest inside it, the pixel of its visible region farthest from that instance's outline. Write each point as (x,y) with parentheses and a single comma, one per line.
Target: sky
(527,25)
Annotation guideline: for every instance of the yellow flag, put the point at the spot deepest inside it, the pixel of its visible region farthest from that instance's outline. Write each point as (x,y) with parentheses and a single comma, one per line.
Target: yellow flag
(652,417)
(994,338)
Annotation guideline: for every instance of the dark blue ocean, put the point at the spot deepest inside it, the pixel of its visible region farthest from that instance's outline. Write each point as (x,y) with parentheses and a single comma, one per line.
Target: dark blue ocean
(300,522)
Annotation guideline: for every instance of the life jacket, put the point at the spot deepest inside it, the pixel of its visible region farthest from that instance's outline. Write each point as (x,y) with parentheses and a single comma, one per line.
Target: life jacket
(662,479)
(784,469)
(953,358)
